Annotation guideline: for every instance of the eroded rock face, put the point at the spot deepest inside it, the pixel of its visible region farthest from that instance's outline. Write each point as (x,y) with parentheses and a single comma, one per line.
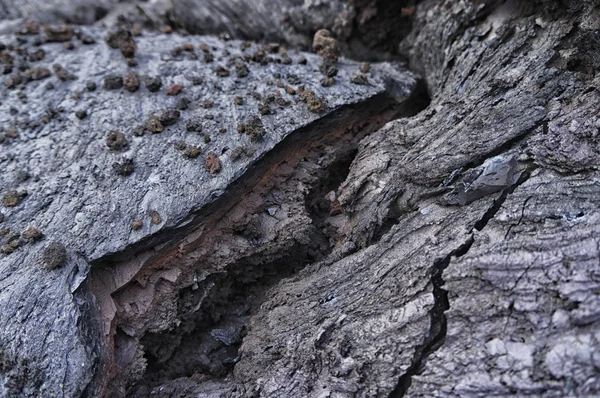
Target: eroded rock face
(344,244)
(89,179)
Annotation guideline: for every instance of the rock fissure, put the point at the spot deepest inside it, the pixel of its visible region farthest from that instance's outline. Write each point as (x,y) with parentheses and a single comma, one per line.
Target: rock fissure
(437,332)
(290,218)
(191,188)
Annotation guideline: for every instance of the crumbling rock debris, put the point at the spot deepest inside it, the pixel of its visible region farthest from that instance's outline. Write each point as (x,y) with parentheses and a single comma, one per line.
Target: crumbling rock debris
(153,84)
(13,241)
(58,33)
(37,73)
(191,151)
(136,225)
(155,217)
(113,82)
(253,128)
(327,47)
(123,40)
(131,81)
(37,55)
(154,125)
(313,103)
(124,168)
(221,71)
(327,81)
(68,45)
(169,117)
(193,125)
(12,198)
(182,103)
(32,235)
(325,44)
(359,78)
(116,141)
(174,89)
(241,69)
(54,256)
(212,163)
(62,74)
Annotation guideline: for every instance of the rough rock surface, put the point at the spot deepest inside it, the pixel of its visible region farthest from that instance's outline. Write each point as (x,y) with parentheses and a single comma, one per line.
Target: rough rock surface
(376,249)
(76,11)
(84,181)
(365,28)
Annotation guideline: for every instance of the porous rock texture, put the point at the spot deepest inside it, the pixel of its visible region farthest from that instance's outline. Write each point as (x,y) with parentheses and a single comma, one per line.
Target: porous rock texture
(384,246)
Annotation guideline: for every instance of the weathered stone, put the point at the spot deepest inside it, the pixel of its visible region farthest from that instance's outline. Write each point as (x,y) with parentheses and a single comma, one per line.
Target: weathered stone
(453,255)
(79,197)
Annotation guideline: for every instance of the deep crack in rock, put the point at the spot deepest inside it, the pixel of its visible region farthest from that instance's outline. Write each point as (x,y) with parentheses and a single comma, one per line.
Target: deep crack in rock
(283,216)
(437,332)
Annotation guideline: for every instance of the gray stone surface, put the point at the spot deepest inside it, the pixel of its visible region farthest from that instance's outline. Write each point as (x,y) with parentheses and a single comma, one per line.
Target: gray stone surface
(372,250)
(76,11)
(293,21)
(75,197)
(69,161)
(523,301)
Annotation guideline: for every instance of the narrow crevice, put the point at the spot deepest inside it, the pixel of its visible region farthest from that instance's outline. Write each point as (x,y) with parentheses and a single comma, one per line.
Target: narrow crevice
(437,332)
(491,212)
(365,114)
(392,218)
(321,202)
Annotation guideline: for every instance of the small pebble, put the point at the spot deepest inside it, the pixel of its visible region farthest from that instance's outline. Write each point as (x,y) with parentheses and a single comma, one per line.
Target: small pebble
(113,82)
(174,89)
(124,168)
(116,141)
(131,81)
(153,84)
(54,256)
(154,217)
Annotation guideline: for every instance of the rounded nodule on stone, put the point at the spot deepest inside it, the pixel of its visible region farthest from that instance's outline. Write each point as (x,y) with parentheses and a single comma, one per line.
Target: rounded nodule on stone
(54,256)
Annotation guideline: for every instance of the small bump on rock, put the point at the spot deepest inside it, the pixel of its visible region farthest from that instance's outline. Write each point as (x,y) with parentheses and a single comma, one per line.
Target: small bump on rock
(54,256)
